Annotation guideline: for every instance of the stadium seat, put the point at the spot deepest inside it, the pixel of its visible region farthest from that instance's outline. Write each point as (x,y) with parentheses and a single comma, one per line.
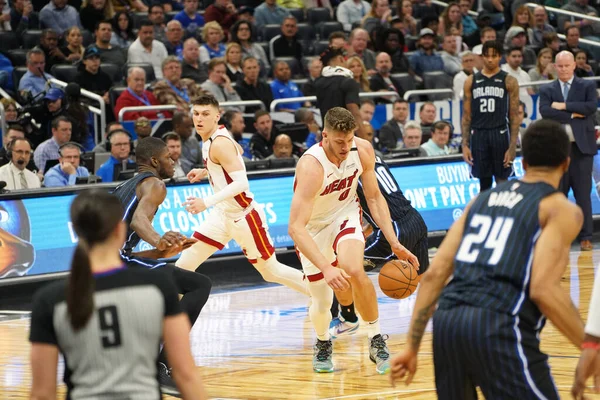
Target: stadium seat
(317,15)
(270,31)
(18,73)
(114,94)
(265,47)
(113,71)
(138,18)
(18,57)
(31,38)
(297,13)
(327,28)
(88,37)
(64,72)
(407,81)
(295,68)
(320,47)
(8,41)
(145,66)
(306,32)
(437,80)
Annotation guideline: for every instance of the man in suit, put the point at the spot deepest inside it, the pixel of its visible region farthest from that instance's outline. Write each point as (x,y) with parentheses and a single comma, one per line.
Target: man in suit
(390,134)
(573,102)
(383,80)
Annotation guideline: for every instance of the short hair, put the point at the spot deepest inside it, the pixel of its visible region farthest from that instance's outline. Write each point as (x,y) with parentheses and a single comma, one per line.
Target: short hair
(301,114)
(118,132)
(367,101)
(570,28)
(289,16)
(147,148)
(545,144)
(495,45)
(466,53)
(399,100)
(131,70)
(228,116)
(210,25)
(412,125)
(46,31)
(110,125)
(173,22)
(206,99)
(511,49)
(37,51)
(178,117)
(146,22)
(104,21)
(70,145)
(14,127)
(154,5)
(170,136)
(550,37)
(169,60)
(485,30)
(340,120)
(441,125)
(249,58)
(260,113)
(56,121)
(427,103)
(215,62)
(336,35)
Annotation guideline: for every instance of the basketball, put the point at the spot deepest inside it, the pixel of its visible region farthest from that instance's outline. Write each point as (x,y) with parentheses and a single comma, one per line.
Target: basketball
(398,279)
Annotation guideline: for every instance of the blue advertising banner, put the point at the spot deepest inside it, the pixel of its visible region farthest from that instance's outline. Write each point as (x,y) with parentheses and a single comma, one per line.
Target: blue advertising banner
(38,238)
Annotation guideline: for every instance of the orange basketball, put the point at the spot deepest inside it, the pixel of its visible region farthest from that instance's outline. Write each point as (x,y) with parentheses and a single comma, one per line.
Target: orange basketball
(398,279)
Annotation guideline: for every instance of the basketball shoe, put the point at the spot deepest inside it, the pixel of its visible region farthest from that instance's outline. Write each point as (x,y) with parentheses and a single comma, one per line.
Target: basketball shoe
(167,385)
(322,356)
(379,353)
(340,327)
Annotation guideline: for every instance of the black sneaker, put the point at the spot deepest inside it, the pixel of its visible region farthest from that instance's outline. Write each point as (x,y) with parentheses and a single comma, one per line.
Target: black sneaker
(379,353)
(167,384)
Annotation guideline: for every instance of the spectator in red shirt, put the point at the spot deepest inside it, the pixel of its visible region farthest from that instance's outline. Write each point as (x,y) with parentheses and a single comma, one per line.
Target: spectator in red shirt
(136,95)
(223,12)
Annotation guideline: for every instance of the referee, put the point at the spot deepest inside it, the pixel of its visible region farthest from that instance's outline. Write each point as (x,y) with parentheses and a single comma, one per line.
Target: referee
(108,320)
(336,86)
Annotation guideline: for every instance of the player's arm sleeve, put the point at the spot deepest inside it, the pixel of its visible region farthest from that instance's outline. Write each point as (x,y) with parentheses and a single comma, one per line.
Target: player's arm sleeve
(239,183)
(169,291)
(42,313)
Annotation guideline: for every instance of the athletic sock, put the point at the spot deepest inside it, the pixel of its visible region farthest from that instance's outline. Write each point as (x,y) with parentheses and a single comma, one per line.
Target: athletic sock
(348,313)
(373,329)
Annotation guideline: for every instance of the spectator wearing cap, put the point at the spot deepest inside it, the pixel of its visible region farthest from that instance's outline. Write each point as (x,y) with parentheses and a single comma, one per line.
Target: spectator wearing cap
(173,89)
(516,37)
(252,87)
(59,16)
(468,69)
(48,150)
(189,17)
(91,77)
(223,12)
(136,95)
(426,59)
(68,169)
(269,13)
(34,80)
(350,12)
(44,112)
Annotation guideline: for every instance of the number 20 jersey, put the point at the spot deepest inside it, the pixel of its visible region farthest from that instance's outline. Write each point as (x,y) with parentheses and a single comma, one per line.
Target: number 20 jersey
(489,101)
(492,268)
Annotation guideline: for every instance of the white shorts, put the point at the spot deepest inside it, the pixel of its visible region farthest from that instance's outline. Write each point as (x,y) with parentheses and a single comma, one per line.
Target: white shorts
(250,231)
(344,228)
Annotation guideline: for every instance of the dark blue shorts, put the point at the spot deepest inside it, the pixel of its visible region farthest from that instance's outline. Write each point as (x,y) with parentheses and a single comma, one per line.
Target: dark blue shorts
(478,347)
(488,147)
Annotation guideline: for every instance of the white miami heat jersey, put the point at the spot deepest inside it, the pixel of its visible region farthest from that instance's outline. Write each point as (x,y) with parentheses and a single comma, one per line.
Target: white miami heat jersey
(219,178)
(337,195)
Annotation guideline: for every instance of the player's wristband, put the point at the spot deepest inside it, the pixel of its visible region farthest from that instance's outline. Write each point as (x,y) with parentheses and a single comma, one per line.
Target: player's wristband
(590,345)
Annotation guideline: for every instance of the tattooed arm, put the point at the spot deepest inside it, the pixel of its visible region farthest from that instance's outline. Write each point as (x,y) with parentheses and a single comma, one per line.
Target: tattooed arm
(515,122)
(466,121)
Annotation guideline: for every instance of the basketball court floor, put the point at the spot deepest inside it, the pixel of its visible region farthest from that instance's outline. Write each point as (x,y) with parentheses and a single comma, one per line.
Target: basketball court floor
(257,344)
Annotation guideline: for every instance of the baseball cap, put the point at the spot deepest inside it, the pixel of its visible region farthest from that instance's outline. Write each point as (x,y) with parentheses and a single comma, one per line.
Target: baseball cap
(425,32)
(54,94)
(513,31)
(329,54)
(91,52)
(245,10)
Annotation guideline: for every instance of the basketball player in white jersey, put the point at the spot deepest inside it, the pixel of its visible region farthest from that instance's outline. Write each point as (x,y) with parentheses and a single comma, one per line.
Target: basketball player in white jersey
(325,224)
(235,214)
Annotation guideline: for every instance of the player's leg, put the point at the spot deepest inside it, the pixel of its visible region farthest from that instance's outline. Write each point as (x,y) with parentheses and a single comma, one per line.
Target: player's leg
(500,145)
(482,166)
(413,235)
(251,233)
(212,235)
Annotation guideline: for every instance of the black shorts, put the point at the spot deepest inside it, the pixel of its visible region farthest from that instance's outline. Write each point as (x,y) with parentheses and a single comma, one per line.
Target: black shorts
(478,347)
(488,147)
(412,234)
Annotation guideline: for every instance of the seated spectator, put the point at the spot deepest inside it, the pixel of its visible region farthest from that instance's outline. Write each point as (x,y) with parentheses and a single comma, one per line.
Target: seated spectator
(125,5)
(68,169)
(142,128)
(350,12)
(307,117)
(120,149)
(15,173)
(390,134)
(451,21)
(49,45)
(51,106)
(552,41)
(269,13)
(468,69)
(13,132)
(233,61)
(102,147)
(485,34)
(514,59)
(223,12)
(450,57)
(90,75)
(219,85)
(437,145)
(191,67)
(94,11)
(367,110)
(359,72)
(583,69)
(404,15)
(337,40)
(468,23)
(191,151)
(544,69)
(122,32)
(359,41)
(588,29)
(212,35)
(251,87)
(282,148)
(172,89)
(242,33)
(59,16)
(136,95)
(368,133)
(383,80)
(425,59)
(189,17)
(108,53)
(74,49)
(48,150)
(260,143)
(22,17)
(314,71)
(540,27)
(572,43)
(173,142)
(156,15)
(147,50)
(10,110)
(234,122)
(427,114)
(516,37)
(288,43)
(283,88)
(391,41)
(412,137)
(174,38)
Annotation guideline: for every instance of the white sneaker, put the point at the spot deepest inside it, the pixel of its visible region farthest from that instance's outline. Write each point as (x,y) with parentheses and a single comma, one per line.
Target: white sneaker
(340,327)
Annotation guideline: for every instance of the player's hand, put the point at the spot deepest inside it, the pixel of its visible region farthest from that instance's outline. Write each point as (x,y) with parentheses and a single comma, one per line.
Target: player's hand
(403,254)
(188,242)
(509,156)
(170,239)
(194,205)
(467,156)
(577,115)
(336,278)
(589,364)
(559,106)
(403,364)
(197,174)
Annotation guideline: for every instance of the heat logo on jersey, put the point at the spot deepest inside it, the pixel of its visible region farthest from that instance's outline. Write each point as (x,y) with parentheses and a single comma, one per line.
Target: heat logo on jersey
(339,185)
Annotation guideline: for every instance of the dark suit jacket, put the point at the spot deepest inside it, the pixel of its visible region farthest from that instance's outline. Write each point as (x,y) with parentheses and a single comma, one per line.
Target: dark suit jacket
(389,134)
(377,83)
(582,99)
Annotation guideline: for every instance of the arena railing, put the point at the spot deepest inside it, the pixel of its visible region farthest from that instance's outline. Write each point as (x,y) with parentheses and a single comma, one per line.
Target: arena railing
(538,83)
(445,5)
(100,112)
(367,95)
(410,93)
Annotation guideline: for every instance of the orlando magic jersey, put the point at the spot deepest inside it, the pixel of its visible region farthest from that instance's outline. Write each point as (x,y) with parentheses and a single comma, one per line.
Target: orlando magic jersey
(489,102)
(493,262)
(397,203)
(126,192)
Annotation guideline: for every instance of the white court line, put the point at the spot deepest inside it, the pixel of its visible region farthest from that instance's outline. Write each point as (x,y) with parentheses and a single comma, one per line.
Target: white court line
(390,392)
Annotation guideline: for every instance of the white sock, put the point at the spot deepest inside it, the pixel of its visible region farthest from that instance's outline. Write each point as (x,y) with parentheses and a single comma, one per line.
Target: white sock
(274,271)
(373,328)
(319,310)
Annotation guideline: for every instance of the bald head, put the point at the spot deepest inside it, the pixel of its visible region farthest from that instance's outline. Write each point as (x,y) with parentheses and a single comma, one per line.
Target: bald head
(383,63)
(282,148)
(565,66)
(173,24)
